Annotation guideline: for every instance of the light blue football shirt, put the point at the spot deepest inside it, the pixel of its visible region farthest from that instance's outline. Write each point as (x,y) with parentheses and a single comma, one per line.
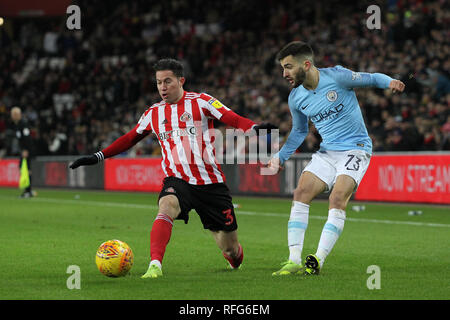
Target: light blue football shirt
(334,110)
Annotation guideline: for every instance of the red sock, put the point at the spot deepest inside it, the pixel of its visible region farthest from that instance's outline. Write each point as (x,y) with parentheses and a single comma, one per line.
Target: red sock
(160,236)
(235,263)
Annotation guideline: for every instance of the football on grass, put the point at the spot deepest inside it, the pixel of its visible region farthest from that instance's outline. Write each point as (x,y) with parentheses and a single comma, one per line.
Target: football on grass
(114,258)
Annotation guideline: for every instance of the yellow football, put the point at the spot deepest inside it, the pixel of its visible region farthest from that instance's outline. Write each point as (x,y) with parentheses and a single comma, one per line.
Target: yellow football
(114,258)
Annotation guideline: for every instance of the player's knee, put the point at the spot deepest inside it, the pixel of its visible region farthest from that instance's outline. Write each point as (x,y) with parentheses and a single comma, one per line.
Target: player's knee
(338,199)
(170,206)
(303,194)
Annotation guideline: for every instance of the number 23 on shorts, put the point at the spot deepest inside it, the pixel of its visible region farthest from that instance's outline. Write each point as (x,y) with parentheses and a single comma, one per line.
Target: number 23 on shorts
(352,163)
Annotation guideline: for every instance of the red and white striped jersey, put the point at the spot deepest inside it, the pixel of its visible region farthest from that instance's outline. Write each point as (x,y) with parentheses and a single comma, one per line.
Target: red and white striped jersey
(185,132)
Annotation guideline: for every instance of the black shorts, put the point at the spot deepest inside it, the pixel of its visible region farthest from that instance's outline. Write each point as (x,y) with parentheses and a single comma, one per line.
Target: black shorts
(212,203)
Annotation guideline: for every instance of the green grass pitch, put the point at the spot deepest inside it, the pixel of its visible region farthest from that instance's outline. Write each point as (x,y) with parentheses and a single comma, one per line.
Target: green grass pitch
(41,237)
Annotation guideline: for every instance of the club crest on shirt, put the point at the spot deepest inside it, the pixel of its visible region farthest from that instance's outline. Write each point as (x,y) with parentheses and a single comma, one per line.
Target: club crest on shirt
(185,117)
(215,103)
(332,95)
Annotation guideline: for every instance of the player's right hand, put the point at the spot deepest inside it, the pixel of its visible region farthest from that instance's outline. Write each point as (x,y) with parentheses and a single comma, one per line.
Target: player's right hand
(396,86)
(84,161)
(274,165)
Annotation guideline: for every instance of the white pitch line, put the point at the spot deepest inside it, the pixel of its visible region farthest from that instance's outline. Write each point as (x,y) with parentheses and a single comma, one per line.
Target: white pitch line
(253,213)
(94,203)
(423,224)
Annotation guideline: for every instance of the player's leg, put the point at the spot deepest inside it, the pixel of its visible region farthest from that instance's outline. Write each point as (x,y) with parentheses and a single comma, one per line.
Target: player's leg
(168,211)
(214,206)
(334,225)
(351,168)
(30,175)
(173,203)
(308,188)
(228,243)
(341,193)
(29,189)
(313,181)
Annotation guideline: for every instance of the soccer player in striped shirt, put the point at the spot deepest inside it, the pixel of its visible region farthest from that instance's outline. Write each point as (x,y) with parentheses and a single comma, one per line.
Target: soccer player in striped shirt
(326,97)
(183,123)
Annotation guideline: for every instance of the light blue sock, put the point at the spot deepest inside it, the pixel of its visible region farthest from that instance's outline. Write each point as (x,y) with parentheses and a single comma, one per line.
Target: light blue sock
(298,222)
(330,233)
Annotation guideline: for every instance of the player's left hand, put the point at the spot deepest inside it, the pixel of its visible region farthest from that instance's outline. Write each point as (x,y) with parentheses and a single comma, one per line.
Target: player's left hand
(84,161)
(396,86)
(264,126)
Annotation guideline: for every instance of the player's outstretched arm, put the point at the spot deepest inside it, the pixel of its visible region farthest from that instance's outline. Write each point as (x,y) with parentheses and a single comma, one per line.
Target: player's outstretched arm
(236,121)
(122,144)
(350,79)
(214,108)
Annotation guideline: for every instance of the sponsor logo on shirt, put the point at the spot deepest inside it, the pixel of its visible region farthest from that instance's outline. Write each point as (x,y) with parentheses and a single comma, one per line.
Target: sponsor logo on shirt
(215,103)
(328,114)
(182,132)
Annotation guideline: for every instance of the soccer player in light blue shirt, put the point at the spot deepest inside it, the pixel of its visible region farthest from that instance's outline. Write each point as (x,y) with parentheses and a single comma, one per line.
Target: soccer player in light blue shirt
(326,97)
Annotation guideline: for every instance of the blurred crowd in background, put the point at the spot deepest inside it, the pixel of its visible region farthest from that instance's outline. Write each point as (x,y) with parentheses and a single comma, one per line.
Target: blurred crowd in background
(80,90)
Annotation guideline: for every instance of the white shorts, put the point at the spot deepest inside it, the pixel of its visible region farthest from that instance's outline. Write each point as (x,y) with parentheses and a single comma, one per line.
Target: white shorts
(328,165)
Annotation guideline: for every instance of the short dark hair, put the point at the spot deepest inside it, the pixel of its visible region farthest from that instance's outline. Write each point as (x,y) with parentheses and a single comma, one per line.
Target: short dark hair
(170,64)
(296,49)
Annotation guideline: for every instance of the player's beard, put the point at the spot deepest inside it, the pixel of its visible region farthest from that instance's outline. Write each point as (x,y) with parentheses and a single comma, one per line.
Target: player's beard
(299,78)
